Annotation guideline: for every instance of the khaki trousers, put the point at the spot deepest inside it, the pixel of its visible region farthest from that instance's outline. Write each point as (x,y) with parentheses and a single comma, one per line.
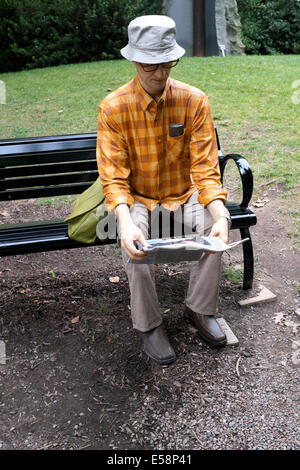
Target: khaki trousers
(202,295)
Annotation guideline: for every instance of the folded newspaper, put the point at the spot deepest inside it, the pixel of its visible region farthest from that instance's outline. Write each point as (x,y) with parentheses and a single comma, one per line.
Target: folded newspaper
(173,250)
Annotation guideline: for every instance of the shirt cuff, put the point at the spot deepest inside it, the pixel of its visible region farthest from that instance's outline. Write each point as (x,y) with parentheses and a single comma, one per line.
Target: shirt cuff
(112,202)
(208,195)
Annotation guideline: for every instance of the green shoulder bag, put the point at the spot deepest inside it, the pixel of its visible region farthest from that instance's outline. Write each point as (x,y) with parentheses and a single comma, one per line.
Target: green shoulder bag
(85,216)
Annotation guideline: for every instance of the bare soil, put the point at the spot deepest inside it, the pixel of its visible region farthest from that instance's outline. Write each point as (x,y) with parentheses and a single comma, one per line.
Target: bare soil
(76,376)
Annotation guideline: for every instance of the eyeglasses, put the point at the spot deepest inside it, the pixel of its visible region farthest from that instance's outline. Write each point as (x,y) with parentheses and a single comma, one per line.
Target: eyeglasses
(165,65)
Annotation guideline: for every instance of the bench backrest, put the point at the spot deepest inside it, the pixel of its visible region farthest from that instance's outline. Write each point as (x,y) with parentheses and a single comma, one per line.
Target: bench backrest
(47,166)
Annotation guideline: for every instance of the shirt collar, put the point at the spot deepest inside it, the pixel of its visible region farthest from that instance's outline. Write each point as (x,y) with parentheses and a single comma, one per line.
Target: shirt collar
(144,97)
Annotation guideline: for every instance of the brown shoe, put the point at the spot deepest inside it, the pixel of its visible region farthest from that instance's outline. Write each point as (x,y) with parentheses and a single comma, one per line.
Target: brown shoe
(208,327)
(157,346)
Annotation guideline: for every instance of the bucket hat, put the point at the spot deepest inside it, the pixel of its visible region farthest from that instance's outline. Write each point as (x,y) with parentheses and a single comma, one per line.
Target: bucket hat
(152,40)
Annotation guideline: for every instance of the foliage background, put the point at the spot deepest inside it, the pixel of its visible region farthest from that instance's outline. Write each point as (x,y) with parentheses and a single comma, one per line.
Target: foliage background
(270,26)
(38,33)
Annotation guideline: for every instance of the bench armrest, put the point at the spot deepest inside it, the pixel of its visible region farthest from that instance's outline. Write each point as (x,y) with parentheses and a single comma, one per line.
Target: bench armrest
(245,174)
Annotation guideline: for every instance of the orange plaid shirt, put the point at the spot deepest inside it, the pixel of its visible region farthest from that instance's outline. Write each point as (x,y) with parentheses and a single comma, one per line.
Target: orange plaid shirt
(138,160)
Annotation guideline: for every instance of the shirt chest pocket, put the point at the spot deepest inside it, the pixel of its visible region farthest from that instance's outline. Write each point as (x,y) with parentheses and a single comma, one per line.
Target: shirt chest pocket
(177,147)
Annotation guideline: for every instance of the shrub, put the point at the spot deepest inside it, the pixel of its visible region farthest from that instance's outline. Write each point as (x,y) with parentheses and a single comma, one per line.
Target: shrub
(270,26)
(35,33)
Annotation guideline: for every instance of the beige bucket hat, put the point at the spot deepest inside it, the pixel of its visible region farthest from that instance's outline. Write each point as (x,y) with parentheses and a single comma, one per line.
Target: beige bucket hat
(152,40)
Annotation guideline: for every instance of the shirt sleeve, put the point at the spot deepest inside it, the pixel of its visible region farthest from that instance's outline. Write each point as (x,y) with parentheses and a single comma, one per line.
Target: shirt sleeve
(205,170)
(112,161)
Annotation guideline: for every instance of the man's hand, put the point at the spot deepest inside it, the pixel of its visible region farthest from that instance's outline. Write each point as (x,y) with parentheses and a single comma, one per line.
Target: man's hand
(129,233)
(220,230)
(219,213)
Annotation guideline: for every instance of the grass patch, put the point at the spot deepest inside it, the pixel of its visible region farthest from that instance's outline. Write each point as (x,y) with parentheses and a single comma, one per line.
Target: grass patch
(103,308)
(57,201)
(234,275)
(250,96)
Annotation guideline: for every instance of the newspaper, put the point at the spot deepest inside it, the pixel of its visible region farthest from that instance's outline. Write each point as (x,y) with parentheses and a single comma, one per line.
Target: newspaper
(173,250)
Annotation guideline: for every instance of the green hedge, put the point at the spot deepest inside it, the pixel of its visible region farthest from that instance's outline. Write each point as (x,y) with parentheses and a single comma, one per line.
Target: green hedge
(38,33)
(270,26)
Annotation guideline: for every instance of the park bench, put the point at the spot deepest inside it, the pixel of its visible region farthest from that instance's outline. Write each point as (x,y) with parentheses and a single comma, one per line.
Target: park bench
(66,165)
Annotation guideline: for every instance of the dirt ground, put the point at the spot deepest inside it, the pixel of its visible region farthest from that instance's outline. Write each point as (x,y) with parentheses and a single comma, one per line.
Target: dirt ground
(75,375)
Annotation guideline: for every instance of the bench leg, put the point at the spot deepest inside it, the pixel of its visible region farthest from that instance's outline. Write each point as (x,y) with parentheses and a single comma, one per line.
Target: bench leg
(248,259)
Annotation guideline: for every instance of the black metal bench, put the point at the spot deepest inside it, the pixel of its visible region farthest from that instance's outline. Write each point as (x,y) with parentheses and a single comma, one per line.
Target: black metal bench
(65,165)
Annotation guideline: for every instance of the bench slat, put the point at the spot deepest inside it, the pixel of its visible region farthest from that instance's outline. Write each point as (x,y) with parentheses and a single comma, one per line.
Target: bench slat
(51,138)
(54,168)
(47,146)
(38,237)
(43,192)
(30,229)
(48,180)
(42,158)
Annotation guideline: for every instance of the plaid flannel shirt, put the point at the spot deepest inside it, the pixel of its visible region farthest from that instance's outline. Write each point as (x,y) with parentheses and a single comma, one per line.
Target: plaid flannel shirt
(138,159)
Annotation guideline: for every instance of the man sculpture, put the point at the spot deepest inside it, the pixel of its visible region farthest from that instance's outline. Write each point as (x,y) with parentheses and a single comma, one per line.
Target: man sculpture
(157,150)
